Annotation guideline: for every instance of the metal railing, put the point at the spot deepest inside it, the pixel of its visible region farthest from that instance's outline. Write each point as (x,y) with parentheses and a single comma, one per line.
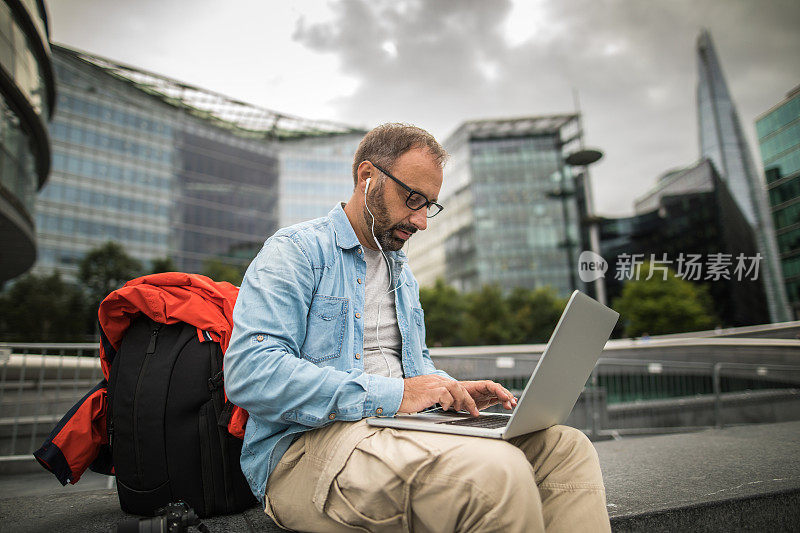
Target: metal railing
(36,390)
(40,382)
(635,396)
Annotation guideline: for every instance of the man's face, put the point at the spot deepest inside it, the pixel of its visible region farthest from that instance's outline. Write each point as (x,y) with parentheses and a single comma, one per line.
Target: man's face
(395,222)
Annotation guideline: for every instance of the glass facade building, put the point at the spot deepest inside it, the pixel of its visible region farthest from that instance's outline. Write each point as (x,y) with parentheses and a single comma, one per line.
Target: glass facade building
(164,169)
(723,142)
(315,173)
(510,216)
(28,93)
(779,139)
(690,211)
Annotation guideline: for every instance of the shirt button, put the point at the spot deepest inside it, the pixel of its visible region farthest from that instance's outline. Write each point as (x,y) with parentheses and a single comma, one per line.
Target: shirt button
(358,356)
(359,281)
(332,416)
(378,411)
(260,338)
(359,251)
(358,315)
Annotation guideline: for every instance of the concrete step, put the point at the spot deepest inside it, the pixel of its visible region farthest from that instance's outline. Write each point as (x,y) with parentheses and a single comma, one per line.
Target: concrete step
(744,478)
(736,479)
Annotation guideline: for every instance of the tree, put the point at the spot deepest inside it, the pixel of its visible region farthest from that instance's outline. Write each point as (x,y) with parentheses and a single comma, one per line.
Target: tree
(105,269)
(533,314)
(658,306)
(218,270)
(163,264)
(487,317)
(445,314)
(42,309)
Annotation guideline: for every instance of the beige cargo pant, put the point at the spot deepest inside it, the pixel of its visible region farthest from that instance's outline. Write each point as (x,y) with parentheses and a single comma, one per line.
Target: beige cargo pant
(350,476)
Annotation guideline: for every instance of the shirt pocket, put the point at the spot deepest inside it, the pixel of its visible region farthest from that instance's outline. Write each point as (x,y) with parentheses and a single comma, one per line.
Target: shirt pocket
(327,319)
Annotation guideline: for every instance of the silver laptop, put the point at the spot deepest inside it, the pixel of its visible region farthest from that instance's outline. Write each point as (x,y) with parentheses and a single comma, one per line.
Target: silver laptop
(552,390)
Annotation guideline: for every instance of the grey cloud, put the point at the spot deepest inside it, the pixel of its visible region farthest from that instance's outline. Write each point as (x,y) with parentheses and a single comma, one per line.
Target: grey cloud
(633,63)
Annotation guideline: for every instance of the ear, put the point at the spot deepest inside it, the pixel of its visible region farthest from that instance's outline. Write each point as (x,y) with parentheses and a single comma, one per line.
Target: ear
(364,172)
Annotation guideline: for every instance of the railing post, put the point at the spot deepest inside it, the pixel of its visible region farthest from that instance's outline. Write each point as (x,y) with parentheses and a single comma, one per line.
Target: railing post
(717,395)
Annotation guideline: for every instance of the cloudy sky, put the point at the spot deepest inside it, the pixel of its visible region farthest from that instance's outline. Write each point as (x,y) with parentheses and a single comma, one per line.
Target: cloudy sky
(436,63)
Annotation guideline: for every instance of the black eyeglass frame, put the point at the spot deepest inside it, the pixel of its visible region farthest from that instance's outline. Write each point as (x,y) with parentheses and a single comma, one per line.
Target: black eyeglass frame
(412,192)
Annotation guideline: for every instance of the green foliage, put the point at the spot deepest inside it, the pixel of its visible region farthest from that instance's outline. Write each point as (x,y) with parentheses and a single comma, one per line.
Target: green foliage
(445,313)
(218,270)
(42,309)
(488,316)
(163,264)
(107,268)
(534,314)
(659,307)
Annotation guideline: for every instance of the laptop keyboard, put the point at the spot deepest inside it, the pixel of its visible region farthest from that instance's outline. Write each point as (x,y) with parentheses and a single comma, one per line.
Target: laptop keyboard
(485,421)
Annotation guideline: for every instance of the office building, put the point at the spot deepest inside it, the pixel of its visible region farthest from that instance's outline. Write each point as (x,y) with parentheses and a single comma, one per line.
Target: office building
(27,88)
(723,142)
(315,173)
(779,139)
(510,214)
(690,212)
(163,168)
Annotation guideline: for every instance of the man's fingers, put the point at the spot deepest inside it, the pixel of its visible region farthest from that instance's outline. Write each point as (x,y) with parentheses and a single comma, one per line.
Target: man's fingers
(445,398)
(463,398)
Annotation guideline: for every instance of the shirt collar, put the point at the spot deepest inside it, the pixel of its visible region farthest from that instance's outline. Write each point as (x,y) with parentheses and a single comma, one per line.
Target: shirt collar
(346,236)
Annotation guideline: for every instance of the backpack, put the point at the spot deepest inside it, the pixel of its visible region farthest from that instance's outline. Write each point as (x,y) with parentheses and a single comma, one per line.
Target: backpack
(167,423)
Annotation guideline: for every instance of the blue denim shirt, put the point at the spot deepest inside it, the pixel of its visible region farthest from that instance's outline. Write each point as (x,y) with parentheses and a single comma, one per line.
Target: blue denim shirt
(294,360)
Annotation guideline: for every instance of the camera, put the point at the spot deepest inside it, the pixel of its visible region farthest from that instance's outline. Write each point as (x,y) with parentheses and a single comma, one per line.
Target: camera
(176,517)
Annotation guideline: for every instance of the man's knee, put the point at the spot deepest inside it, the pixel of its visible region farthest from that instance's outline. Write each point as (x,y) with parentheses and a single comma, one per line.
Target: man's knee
(573,441)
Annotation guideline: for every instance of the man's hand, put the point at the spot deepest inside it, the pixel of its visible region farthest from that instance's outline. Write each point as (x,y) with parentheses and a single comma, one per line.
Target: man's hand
(421,392)
(424,391)
(487,393)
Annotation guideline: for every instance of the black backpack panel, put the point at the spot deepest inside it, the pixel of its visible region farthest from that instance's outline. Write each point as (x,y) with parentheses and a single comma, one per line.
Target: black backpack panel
(167,423)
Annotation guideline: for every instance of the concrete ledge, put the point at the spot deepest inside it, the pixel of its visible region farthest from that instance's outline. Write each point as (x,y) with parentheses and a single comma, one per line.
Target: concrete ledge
(733,479)
(712,480)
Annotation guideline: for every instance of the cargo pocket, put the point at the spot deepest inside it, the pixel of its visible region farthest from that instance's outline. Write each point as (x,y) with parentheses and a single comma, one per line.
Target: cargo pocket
(373,490)
(327,318)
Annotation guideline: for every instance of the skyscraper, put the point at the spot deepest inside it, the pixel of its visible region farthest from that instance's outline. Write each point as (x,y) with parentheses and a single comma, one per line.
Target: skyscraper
(779,138)
(724,143)
(511,216)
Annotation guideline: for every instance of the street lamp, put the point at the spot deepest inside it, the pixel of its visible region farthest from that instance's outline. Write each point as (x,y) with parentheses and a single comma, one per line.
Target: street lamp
(583,158)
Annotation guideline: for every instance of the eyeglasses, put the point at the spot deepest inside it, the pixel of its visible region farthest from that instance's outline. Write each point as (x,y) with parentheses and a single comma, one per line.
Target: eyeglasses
(416,200)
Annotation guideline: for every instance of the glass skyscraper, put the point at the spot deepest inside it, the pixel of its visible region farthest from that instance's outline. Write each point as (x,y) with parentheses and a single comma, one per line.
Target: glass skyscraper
(169,170)
(723,142)
(28,96)
(510,216)
(779,139)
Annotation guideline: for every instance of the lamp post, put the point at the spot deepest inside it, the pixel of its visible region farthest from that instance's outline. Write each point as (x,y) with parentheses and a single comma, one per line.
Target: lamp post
(583,158)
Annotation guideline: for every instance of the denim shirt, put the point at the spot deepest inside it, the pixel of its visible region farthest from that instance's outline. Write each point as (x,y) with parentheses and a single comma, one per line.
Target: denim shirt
(294,360)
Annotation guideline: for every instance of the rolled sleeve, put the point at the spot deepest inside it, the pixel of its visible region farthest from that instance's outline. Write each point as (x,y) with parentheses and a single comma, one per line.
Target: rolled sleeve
(384,396)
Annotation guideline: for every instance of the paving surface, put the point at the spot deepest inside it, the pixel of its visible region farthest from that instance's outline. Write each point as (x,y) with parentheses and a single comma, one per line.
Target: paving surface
(655,473)
(735,479)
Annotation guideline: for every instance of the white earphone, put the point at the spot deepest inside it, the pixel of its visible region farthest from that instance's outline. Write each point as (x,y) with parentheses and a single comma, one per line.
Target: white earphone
(389,268)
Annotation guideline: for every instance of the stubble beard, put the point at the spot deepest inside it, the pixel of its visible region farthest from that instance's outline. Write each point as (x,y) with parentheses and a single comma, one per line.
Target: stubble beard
(384,230)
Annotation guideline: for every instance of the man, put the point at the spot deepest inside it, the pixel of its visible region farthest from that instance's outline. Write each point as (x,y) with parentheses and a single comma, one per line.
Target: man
(328,330)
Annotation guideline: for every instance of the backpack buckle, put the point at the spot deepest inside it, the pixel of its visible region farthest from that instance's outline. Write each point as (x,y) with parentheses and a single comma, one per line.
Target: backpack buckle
(216,381)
